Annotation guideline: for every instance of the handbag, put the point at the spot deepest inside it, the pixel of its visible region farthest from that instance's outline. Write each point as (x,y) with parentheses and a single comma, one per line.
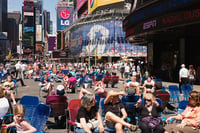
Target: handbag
(152,121)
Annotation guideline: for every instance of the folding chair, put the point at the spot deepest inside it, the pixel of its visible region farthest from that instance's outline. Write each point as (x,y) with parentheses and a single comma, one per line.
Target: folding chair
(129,102)
(182,105)
(165,97)
(30,104)
(186,89)
(58,106)
(174,93)
(114,80)
(40,117)
(73,107)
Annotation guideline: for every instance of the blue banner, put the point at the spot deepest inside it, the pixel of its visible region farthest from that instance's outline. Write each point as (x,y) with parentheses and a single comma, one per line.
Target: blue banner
(103,39)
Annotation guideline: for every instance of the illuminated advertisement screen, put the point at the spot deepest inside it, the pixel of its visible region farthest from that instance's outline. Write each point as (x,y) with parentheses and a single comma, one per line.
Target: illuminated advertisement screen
(28,6)
(28,40)
(64,17)
(28,23)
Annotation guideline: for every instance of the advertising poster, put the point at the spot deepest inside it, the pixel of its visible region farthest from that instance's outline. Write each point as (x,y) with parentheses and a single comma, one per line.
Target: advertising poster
(103,39)
(51,43)
(64,17)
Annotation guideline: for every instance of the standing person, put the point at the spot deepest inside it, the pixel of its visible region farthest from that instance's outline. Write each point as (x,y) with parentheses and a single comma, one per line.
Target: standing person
(183,76)
(19,122)
(192,74)
(24,67)
(122,69)
(18,68)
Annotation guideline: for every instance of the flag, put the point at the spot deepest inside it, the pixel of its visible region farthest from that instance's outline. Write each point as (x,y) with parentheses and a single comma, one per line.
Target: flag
(9,54)
(95,52)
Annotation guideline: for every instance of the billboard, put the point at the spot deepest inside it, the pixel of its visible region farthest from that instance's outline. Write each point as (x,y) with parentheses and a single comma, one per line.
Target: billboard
(28,40)
(51,43)
(64,17)
(93,4)
(28,22)
(103,39)
(38,33)
(80,3)
(28,6)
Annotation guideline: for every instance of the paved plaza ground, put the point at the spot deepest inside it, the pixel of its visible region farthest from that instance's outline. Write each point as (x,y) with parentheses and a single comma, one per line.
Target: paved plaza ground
(32,88)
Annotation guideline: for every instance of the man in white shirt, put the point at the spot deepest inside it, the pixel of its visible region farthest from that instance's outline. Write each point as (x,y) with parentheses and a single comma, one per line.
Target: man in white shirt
(183,76)
(18,68)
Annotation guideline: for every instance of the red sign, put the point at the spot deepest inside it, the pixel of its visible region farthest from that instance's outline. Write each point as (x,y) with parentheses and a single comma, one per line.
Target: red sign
(80,3)
(65,14)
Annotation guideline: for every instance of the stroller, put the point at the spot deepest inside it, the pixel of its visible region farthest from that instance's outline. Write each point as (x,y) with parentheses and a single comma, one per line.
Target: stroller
(71,84)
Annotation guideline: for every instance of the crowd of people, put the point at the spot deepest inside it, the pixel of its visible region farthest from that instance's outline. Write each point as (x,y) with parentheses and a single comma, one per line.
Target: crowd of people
(137,81)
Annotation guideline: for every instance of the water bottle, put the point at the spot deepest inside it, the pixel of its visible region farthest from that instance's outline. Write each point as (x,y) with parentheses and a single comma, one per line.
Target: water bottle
(3,129)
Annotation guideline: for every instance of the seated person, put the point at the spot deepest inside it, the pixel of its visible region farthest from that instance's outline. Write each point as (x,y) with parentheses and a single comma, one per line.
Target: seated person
(149,111)
(100,89)
(19,122)
(163,95)
(133,84)
(46,85)
(59,75)
(65,81)
(115,113)
(61,120)
(190,118)
(5,106)
(88,117)
(8,88)
(148,85)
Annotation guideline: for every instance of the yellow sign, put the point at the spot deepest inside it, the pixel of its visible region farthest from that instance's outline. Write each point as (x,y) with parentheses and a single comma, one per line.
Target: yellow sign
(93,4)
(108,2)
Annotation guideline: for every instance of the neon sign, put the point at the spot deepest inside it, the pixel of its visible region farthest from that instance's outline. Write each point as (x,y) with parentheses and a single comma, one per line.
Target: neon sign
(155,9)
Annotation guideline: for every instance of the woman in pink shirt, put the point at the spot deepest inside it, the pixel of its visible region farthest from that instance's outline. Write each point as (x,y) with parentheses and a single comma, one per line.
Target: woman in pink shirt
(190,118)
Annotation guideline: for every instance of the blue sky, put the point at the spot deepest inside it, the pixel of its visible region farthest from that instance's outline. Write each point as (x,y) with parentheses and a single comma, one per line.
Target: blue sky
(49,5)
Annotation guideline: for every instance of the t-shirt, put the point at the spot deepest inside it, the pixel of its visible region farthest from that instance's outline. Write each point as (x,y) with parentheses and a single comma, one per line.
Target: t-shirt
(88,115)
(8,84)
(116,109)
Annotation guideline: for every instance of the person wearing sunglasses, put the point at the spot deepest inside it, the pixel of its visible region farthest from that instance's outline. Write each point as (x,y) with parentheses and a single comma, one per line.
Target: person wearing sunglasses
(149,111)
(190,118)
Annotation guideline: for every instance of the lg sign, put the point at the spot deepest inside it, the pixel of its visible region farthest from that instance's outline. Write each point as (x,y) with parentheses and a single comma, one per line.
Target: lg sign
(64,14)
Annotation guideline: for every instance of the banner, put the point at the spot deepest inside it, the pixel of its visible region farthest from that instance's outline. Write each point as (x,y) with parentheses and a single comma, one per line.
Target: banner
(103,39)
(51,43)
(38,33)
(64,17)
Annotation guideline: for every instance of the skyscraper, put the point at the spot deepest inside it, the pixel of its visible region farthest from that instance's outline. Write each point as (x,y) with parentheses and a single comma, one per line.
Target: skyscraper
(3,15)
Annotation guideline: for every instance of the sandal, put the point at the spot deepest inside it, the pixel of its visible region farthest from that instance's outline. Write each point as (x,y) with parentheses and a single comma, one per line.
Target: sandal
(133,128)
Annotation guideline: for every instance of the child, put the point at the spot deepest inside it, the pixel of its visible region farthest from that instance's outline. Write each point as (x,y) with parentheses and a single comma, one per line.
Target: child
(19,122)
